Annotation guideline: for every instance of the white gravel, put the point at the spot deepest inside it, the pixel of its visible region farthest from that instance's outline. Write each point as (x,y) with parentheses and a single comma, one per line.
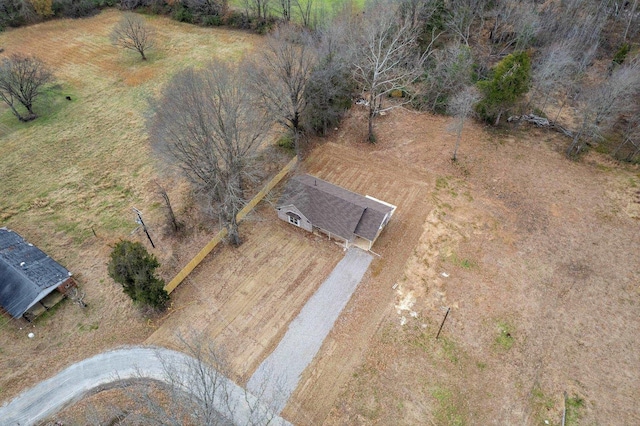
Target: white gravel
(109,368)
(277,377)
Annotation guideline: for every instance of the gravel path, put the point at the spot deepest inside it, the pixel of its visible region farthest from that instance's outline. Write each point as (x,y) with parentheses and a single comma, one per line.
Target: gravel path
(278,375)
(106,370)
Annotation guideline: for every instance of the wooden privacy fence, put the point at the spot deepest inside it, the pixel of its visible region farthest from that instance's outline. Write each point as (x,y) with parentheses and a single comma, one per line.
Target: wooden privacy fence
(175,282)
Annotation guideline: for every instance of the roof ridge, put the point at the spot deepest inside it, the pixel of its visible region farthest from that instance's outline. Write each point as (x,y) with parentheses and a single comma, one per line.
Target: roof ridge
(334,186)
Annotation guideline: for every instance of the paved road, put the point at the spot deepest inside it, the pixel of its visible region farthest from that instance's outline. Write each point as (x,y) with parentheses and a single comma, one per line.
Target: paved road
(109,368)
(278,375)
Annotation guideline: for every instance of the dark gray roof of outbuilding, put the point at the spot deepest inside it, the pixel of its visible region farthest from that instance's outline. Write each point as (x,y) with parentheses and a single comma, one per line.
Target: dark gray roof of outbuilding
(334,209)
(27,274)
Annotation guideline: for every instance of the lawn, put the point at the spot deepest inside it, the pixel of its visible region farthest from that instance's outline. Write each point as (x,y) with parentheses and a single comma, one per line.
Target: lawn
(85,162)
(320,8)
(81,167)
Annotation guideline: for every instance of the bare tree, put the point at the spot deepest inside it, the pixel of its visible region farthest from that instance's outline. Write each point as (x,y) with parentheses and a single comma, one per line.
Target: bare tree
(604,104)
(555,69)
(206,123)
(329,91)
(632,17)
(279,76)
(258,8)
(463,16)
(448,71)
(386,55)
(305,7)
(575,23)
(22,80)
(461,106)
(133,33)
(285,9)
(195,389)
(629,148)
(171,217)
(515,24)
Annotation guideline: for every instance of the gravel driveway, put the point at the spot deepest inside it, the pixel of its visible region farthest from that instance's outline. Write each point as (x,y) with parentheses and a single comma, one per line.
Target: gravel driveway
(106,370)
(278,375)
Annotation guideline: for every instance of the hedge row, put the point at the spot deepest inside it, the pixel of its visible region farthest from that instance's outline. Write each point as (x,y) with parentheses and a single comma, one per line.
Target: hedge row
(16,13)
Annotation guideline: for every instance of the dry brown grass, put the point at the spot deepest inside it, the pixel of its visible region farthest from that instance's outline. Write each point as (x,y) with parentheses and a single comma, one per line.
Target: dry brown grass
(83,164)
(244,298)
(534,245)
(360,168)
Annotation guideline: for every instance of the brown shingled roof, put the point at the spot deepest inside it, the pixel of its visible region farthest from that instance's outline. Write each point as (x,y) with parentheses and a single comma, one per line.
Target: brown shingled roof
(335,209)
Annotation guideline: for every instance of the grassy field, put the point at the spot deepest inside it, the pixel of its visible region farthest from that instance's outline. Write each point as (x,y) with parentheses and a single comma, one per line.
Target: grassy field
(84,163)
(535,255)
(321,9)
(81,166)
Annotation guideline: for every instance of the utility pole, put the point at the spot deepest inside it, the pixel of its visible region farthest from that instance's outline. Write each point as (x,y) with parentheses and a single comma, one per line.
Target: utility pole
(144,227)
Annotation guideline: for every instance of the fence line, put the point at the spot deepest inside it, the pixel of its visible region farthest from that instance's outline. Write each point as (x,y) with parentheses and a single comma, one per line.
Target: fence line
(175,282)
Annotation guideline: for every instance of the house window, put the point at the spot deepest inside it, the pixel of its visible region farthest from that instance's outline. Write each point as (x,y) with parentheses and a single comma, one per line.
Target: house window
(294,220)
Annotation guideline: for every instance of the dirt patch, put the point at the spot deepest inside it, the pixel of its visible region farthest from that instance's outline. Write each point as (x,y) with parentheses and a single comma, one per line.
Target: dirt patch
(532,253)
(361,169)
(245,297)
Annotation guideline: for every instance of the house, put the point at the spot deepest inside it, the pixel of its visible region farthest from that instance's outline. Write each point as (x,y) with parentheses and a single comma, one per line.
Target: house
(28,277)
(316,205)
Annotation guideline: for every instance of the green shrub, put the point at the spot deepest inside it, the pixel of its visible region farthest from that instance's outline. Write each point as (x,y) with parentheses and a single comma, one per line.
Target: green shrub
(574,407)
(237,19)
(134,268)
(182,14)
(507,82)
(75,8)
(263,26)
(211,21)
(11,13)
(621,54)
(286,142)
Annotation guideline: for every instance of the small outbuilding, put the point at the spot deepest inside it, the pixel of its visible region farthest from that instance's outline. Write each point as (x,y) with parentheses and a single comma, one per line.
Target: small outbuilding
(28,277)
(316,205)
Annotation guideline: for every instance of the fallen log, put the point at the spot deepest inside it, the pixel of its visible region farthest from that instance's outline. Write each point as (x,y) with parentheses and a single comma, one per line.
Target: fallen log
(541,122)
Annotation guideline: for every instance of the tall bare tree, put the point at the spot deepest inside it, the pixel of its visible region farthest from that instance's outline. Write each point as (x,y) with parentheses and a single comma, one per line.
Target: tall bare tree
(258,8)
(305,7)
(385,55)
(463,16)
(629,147)
(575,23)
(330,89)
(462,106)
(279,76)
(632,18)
(515,25)
(22,80)
(603,104)
(447,72)
(206,122)
(555,69)
(285,9)
(133,33)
